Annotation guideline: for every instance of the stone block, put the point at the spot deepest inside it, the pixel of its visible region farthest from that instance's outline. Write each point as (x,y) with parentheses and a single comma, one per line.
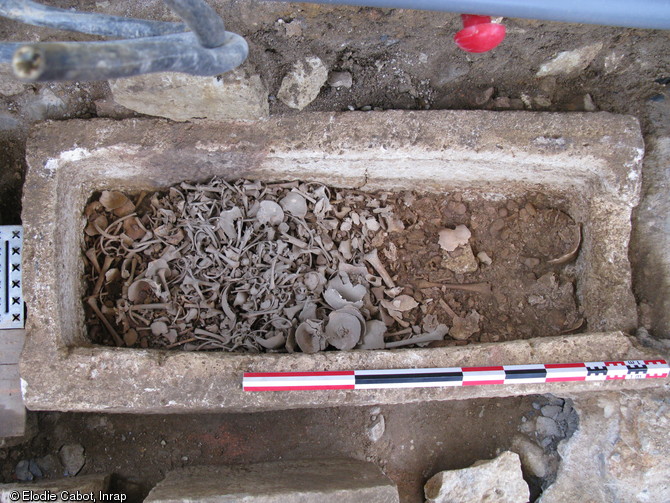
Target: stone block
(236,95)
(305,481)
(590,163)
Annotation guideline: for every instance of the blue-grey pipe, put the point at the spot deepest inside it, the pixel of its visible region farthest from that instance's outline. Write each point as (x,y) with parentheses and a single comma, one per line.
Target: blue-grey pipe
(628,13)
(26,11)
(202,19)
(180,52)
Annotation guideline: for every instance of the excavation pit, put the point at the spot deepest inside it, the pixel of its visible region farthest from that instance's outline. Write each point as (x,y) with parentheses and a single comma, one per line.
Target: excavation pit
(586,165)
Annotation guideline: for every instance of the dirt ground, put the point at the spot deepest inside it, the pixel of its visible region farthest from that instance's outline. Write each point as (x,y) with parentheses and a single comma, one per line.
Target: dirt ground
(419,440)
(398,59)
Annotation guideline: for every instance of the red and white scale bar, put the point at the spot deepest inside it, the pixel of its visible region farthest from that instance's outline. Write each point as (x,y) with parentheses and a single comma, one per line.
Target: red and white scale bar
(455,376)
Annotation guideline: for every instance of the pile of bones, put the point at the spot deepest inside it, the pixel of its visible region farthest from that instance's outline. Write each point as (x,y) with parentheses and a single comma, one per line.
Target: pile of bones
(248,266)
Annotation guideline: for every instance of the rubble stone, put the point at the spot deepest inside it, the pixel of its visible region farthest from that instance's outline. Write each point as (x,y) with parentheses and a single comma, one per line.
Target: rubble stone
(567,62)
(236,95)
(619,452)
(497,480)
(303,83)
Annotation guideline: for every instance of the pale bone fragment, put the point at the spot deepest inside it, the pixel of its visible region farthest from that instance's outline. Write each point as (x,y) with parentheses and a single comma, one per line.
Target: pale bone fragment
(117,203)
(394,292)
(353,270)
(372,224)
(375,281)
(343,330)
(313,280)
(226,308)
(568,257)
(101,278)
(134,229)
(149,307)
(171,335)
(374,335)
(99,222)
(274,342)
(436,335)
(342,213)
(291,312)
(94,306)
(309,337)
(346,225)
(158,268)
(270,212)
(294,204)
(140,289)
(348,290)
(404,331)
(227,221)
(308,311)
(92,256)
(222,339)
(463,328)
(240,298)
(450,239)
(401,303)
(112,275)
(159,328)
(372,258)
(397,316)
(345,249)
(481,288)
(394,224)
(448,309)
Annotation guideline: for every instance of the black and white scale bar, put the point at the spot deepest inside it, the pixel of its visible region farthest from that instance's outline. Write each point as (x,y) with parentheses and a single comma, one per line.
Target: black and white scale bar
(455,376)
(11,281)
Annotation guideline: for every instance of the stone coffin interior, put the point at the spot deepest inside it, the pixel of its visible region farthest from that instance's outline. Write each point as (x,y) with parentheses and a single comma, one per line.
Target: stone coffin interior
(588,164)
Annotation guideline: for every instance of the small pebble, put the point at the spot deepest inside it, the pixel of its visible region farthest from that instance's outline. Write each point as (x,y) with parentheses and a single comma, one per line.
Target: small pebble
(73,458)
(460,208)
(551,411)
(589,105)
(35,469)
(340,79)
(502,102)
(484,258)
(497,225)
(22,471)
(546,427)
(531,262)
(376,429)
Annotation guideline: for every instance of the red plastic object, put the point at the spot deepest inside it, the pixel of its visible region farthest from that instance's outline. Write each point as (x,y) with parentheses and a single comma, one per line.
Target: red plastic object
(479,34)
